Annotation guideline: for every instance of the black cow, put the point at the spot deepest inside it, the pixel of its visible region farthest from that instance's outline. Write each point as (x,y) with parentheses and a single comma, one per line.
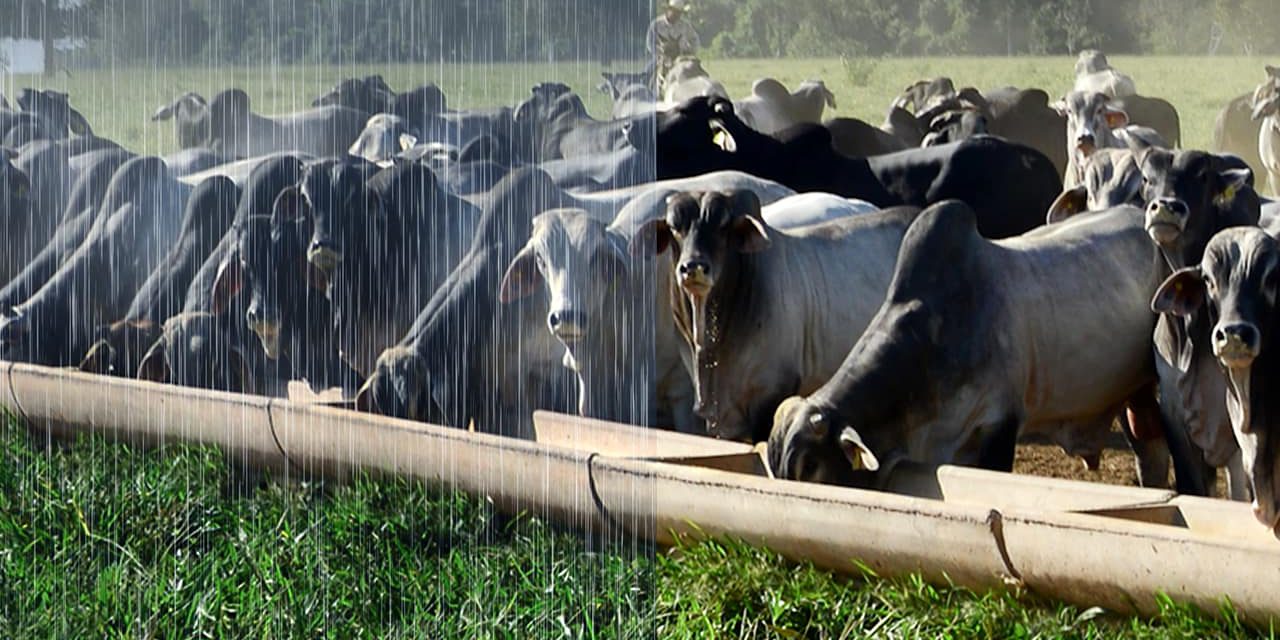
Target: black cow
(235,130)
(854,138)
(1009,186)
(557,125)
(1190,196)
(384,247)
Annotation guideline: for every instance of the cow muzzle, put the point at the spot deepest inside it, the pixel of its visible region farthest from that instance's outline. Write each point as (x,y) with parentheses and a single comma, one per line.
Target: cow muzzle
(324,257)
(1236,345)
(1086,144)
(567,325)
(695,277)
(1166,219)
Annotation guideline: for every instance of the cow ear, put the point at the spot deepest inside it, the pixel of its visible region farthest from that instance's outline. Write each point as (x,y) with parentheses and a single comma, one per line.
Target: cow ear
(1115,117)
(1265,104)
(77,123)
(1067,204)
(857,452)
(522,277)
(654,233)
(1232,180)
(98,358)
(1181,293)
(1274,72)
(154,365)
(164,113)
(750,234)
(830,97)
(290,206)
(227,284)
(1060,107)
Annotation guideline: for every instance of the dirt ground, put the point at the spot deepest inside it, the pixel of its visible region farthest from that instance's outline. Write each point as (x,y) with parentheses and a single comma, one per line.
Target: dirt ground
(1116,468)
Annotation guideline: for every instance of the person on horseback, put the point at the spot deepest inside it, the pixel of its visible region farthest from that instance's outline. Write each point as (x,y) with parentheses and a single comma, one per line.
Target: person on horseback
(670,36)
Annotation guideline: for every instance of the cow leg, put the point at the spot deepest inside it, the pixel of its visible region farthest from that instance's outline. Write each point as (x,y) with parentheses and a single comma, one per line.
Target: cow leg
(1144,431)
(1237,481)
(998,450)
(1192,476)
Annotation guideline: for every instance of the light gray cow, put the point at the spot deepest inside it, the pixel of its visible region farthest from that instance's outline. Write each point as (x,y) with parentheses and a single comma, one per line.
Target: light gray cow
(1094,73)
(771,107)
(1266,108)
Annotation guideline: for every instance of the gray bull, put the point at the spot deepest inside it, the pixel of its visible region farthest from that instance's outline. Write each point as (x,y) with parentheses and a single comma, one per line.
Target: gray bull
(806,293)
(980,342)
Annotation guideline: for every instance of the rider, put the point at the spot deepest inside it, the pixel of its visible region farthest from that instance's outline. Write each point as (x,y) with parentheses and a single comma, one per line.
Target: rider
(670,36)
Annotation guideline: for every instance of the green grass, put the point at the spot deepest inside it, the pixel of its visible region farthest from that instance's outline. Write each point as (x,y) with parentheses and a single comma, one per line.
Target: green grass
(119,101)
(98,540)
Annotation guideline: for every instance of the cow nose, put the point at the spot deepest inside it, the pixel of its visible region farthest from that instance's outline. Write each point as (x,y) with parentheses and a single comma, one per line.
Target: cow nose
(1085,138)
(1172,206)
(567,323)
(1236,345)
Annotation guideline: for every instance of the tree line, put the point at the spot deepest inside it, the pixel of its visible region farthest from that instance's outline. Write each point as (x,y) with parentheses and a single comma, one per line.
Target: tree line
(217,32)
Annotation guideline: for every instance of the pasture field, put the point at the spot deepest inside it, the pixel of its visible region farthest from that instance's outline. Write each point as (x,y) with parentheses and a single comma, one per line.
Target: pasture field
(119,101)
(99,540)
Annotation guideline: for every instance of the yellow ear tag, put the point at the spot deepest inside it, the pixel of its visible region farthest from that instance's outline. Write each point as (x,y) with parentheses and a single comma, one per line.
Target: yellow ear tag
(720,139)
(1227,196)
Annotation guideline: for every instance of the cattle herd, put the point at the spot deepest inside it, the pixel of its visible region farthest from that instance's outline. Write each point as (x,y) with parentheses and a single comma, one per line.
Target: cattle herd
(983,268)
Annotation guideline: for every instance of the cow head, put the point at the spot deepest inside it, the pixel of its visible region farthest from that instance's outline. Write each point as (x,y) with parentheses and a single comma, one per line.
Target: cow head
(807,444)
(1239,276)
(55,107)
(711,234)
(1190,196)
(120,348)
(399,387)
(199,350)
(345,213)
(369,94)
(1091,61)
(707,229)
(1091,116)
(701,135)
(1111,179)
(269,263)
(229,111)
(579,262)
(1266,98)
(917,95)
(190,113)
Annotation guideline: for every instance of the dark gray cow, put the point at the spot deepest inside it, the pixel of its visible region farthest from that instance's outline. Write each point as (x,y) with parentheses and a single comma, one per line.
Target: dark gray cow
(235,130)
(80,215)
(210,211)
(1239,277)
(139,220)
(981,342)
